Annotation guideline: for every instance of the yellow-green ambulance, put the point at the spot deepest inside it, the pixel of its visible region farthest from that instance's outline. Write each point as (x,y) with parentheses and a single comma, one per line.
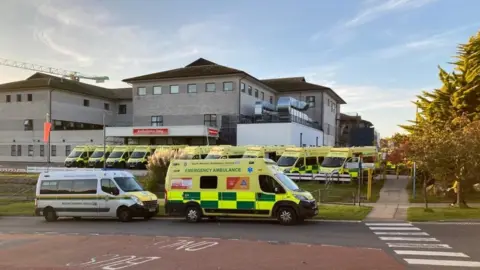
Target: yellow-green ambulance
(99,156)
(139,157)
(235,188)
(119,156)
(79,156)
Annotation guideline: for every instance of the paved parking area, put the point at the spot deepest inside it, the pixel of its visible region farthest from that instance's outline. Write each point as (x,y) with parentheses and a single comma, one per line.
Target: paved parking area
(30,251)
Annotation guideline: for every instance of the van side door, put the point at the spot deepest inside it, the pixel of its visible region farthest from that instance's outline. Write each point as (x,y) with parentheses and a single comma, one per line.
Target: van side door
(108,201)
(269,191)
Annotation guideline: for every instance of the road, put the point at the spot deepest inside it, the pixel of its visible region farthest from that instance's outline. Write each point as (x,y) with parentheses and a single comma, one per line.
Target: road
(174,244)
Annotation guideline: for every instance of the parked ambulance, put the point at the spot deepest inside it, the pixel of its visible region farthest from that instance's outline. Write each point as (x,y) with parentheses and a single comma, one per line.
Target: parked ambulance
(235,188)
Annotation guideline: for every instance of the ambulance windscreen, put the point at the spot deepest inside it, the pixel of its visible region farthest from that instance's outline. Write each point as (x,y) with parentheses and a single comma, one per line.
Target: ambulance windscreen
(286,161)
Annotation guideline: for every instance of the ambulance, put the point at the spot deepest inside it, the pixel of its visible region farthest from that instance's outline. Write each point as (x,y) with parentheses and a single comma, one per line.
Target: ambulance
(99,156)
(196,152)
(161,148)
(270,152)
(139,157)
(119,156)
(89,194)
(338,158)
(303,160)
(246,188)
(79,156)
(226,152)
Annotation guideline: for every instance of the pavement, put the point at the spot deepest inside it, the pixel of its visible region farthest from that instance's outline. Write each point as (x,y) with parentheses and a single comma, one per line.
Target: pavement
(393,202)
(32,243)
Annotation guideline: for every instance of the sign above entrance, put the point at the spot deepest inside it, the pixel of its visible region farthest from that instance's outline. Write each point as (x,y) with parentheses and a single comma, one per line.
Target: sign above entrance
(150,131)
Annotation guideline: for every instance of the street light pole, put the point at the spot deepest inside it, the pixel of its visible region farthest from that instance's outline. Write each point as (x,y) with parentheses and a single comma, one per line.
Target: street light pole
(104,142)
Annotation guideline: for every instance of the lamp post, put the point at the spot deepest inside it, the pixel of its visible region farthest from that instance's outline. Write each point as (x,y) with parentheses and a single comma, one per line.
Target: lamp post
(104,142)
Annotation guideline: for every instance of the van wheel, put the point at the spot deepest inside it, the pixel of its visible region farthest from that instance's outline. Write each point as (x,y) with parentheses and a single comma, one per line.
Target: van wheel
(193,214)
(50,215)
(287,216)
(124,215)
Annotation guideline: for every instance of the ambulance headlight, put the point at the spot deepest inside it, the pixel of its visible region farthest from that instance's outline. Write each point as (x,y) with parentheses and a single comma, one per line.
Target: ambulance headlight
(300,197)
(137,200)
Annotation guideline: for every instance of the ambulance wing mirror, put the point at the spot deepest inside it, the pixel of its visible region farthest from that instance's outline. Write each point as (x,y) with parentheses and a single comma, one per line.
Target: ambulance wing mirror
(279,190)
(115,191)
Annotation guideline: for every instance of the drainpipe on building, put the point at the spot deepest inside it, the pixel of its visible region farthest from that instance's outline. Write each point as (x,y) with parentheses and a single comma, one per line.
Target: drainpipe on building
(323,120)
(49,120)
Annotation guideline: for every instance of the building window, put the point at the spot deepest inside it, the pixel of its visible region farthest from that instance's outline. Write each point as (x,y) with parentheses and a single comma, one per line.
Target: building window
(311,101)
(174,89)
(19,150)
(250,90)
(19,97)
(122,109)
(13,150)
(141,91)
(29,97)
(210,120)
(28,124)
(68,149)
(54,151)
(86,103)
(42,150)
(256,93)
(192,88)
(210,87)
(106,106)
(30,150)
(228,86)
(242,87)
(157,121)
(262,95)
(157,90)
(271,100)
(8,98)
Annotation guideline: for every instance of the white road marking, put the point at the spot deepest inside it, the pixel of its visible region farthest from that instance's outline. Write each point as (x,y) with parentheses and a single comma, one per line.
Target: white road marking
(415,239)
(417,245)
(388,224)
(431,253)
(401,233)
(443,262)
(394,229)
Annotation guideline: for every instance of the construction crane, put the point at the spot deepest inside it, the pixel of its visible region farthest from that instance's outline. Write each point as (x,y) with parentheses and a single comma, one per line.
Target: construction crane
(73,75)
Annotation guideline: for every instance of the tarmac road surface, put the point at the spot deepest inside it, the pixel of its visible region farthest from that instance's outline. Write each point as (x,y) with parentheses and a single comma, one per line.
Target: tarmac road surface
(22,251)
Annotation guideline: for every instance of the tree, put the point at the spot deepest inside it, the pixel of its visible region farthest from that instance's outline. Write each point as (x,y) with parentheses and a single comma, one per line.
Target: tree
(158,164)
(448,153)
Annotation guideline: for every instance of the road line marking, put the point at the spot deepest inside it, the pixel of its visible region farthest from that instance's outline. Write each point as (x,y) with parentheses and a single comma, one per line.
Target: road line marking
(443,262)
(394,228)
(401,233)
(417,245)
(431,253)
(388,224)
(415,239)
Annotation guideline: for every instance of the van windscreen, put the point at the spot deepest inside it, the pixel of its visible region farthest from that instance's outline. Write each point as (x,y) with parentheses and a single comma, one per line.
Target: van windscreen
(116,154)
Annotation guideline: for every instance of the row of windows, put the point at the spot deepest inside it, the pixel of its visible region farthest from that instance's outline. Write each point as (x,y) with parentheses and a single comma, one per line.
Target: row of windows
(8,98)
(16,150)
(122,108)
(191,88)
(63,125)
(87,186)
(208,120)
(256,94)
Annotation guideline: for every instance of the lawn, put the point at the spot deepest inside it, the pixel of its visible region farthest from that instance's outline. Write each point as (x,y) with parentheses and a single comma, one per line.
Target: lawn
(340,193)
(419,198)
(440,214)
(326,212)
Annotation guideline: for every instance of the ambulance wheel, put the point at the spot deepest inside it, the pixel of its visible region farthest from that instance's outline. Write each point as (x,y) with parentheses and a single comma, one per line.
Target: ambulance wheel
(287,216)
(124,214)
(50,215)
(193,214)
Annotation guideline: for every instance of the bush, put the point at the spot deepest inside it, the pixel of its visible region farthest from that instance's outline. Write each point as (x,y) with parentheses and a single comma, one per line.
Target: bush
(157,167)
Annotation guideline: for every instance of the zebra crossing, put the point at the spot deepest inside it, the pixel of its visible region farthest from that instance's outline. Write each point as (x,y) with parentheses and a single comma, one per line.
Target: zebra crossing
(418,248)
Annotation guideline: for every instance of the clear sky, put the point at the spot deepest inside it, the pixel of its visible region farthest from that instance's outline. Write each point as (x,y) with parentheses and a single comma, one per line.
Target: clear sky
(376,54)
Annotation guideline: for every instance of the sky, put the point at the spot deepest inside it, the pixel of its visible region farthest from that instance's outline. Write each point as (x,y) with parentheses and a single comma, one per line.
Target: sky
(376,54)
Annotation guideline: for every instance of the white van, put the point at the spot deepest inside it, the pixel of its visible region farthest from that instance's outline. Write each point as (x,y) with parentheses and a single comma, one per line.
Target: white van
(93,194)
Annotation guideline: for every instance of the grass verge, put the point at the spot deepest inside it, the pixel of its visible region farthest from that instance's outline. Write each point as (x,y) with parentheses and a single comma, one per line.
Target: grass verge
(473,197)
(326,212)
(444,213)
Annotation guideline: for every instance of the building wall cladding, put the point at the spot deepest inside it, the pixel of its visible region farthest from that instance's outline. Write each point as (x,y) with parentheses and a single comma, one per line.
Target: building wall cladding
(362,137)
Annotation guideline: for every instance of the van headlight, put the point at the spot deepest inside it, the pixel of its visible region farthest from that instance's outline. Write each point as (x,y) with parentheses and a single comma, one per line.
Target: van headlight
(300,197)
(137,200)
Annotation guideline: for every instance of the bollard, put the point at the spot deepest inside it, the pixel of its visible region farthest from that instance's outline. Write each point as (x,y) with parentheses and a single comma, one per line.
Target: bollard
(369,187)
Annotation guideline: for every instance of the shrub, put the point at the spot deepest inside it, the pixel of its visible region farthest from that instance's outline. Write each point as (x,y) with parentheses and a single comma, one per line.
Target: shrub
(157,167)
